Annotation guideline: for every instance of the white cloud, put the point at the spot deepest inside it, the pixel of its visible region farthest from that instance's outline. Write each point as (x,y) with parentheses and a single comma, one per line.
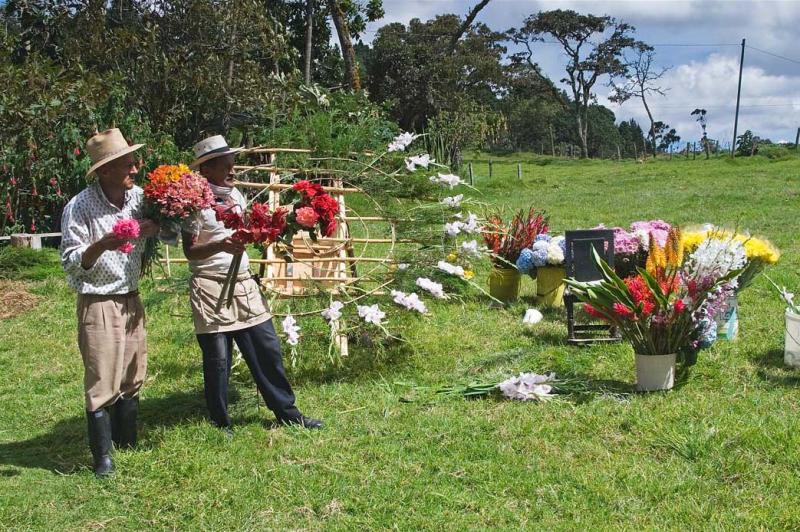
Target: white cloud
(770,103)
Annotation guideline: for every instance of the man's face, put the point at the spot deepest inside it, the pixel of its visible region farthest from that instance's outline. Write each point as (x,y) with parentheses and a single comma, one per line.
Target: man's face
(219,170)
(121,171)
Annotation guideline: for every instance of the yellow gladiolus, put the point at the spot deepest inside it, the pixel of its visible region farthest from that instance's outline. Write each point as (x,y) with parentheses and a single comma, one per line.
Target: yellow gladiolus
(656,259)
(674,249)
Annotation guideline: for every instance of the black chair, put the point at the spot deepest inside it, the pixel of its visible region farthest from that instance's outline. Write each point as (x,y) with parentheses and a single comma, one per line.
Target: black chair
(580,265)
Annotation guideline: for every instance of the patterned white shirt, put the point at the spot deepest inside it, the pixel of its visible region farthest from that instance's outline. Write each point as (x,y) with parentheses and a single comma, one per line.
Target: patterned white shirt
(86,219)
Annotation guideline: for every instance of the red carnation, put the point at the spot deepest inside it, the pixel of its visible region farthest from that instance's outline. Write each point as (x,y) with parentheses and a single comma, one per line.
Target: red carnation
(308,189)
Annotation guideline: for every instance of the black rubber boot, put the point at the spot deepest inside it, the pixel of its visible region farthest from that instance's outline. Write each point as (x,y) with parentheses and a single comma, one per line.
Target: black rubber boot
(100,442)
(123,426)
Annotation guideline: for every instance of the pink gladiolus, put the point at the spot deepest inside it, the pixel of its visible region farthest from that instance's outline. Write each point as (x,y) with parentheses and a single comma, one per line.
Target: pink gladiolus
(306,216)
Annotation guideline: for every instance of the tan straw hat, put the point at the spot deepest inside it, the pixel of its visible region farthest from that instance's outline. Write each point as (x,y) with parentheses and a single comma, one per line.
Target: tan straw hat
(106,146)
(211,148)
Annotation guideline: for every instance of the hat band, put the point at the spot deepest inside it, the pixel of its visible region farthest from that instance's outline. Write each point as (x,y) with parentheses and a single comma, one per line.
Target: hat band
(212,152)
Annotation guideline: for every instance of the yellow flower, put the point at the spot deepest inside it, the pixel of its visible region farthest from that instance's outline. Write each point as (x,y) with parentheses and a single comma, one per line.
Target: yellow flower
(762,250)
(691,240)
(469,274)
(452,257)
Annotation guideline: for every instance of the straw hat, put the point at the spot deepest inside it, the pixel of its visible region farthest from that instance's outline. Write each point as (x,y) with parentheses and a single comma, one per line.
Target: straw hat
(106,146)
(211,148)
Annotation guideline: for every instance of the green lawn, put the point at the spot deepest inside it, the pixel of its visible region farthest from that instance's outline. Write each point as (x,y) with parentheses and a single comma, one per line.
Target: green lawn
(720,451)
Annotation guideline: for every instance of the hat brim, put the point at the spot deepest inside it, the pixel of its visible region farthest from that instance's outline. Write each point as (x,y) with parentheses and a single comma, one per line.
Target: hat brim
(200,160)
(101,162)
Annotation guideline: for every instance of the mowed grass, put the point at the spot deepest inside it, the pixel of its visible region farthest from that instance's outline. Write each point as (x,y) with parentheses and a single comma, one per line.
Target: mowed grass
(720,451)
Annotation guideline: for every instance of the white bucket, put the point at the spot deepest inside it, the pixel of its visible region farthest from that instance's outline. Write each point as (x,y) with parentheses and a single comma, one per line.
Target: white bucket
(791,344)
(655,372)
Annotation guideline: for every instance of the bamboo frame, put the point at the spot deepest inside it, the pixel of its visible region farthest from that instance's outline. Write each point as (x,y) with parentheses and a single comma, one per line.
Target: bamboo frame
(277,187)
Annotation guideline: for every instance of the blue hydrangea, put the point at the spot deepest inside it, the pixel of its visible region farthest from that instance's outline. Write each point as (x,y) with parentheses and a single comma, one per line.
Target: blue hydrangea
(539,257)
(563,244)
(543,238)
(540,245)
(525,261)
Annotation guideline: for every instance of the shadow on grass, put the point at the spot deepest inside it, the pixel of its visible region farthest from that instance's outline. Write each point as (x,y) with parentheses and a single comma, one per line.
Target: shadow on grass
(64,448)
(772,369)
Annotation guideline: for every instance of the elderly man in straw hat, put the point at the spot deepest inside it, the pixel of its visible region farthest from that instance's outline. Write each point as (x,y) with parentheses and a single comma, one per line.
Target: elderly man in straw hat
(111,334)
(247,321)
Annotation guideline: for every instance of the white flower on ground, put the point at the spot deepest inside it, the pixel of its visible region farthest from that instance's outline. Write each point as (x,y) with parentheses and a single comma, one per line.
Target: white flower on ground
(371,313)
(403,266)
(471,226)
(453,228)
(401,141)
(291,330)
(532,317)
(418,160)
(409,301)
(435,289)
(452,269)
(451,180)
(471,249)
(528,387)
(333,312)
(452,201)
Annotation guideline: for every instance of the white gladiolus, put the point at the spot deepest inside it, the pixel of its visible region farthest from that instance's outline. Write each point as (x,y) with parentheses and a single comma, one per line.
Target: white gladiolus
(451,180)
(452,201)
(471,226)
(371,313)
(409,301)
(333,312)
(453,228)
(528,387)
(471,249)
(452,269)
(418,160)
(291,330)
(435,289)
(401,141)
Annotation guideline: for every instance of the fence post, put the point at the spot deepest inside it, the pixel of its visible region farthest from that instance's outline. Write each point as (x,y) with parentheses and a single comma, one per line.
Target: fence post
(619,153)
(25,240)
(471,179)
(519,171)
(694,151)
(490,168)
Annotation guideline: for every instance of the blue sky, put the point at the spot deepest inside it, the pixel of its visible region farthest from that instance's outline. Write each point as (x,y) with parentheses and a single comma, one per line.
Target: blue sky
(701,76)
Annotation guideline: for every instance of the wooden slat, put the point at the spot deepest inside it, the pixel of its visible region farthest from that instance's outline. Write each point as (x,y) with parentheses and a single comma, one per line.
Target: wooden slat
(285,186)
(261,149)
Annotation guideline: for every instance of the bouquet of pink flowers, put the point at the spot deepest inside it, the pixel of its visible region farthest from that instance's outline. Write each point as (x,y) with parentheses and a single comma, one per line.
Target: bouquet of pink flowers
(128,229)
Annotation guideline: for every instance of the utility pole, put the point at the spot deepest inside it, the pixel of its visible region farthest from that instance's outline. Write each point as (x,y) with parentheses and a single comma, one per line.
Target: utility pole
(797,139)
(738,98)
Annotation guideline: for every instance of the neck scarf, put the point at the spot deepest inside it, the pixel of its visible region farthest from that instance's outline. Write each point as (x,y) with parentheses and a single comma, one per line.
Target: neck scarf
(220,192)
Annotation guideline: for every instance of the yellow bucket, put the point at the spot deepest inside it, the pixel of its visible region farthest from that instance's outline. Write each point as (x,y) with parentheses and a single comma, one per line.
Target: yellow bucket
(504,284)
(550,286)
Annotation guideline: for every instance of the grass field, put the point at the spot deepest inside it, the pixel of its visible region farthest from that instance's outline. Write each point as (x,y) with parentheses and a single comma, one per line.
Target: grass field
(721,451)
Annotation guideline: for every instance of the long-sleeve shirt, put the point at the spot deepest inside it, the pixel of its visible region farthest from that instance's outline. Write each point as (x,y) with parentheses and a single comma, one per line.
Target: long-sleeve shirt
(85,220)
(211,230)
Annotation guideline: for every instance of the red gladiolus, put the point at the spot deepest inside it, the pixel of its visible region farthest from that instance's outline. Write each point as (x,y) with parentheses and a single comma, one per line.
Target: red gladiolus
(679,306)
(591,311)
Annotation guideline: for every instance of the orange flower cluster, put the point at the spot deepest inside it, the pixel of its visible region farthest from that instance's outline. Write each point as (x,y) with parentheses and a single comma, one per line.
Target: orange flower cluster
(168,173)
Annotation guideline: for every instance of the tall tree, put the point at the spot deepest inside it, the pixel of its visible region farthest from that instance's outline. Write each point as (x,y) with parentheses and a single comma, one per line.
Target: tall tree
(346,43)
(642,83)
(703,121)
(594,47)
(309,41)
(466,24)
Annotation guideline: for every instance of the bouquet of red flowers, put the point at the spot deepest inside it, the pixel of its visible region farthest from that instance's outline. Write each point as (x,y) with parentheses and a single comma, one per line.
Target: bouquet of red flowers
(507,240)
(256,226)
(312,209)
(174,197)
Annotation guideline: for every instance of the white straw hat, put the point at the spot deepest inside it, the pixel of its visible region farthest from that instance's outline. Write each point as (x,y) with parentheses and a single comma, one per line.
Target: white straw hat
(211,148)
(106,146)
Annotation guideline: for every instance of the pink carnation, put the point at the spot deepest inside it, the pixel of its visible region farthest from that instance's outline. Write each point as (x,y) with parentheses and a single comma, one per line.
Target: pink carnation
(658,228)
(127,229)
(306,216)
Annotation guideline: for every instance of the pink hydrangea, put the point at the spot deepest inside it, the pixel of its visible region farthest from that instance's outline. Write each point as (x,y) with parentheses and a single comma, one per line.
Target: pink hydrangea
(306,216)
(658,228)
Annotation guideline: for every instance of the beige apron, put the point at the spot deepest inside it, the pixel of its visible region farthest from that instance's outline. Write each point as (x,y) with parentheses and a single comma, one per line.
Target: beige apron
(247,309)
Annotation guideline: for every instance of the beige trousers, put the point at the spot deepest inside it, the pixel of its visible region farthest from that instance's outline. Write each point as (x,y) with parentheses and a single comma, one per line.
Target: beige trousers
(113,346)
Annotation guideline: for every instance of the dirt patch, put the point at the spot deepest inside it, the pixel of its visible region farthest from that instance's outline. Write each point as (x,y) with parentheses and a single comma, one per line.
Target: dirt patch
(15,299)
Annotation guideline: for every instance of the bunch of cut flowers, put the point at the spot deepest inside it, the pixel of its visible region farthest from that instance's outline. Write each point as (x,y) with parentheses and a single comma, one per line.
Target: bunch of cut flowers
(257,225)
(312,209)
(547,250)
(174,197)
(661,309)
(632,245)
(507,240)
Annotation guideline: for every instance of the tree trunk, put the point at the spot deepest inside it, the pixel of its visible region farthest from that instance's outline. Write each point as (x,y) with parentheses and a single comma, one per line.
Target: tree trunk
(466,24)
(346,43)
(652,123)
(309,39)
(582,134)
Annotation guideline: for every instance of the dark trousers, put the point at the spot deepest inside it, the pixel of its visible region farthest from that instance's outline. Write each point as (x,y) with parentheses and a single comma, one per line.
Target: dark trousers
(261,350)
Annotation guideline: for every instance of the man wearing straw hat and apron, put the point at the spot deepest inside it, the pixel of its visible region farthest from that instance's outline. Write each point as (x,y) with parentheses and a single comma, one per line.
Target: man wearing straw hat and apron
(111,334)
(247,320)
